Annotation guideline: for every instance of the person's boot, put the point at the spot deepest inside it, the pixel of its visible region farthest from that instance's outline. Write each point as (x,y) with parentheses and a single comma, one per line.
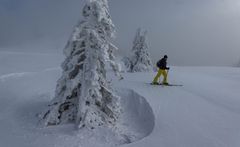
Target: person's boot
(165,83)
(155,83)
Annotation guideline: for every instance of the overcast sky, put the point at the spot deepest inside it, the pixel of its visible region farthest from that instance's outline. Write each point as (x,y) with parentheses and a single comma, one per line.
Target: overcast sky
(191,32)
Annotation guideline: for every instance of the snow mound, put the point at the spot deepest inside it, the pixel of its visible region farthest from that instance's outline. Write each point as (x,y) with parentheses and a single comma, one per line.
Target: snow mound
(137,120)
(136,123)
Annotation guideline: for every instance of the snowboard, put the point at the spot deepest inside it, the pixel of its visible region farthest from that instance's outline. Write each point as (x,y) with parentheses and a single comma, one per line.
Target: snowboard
(170,85)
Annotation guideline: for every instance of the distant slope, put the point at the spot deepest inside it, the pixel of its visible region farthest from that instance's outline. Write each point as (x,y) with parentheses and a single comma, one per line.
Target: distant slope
(15,62)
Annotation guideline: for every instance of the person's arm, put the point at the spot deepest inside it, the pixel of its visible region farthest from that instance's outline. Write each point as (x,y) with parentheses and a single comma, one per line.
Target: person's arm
(165,65)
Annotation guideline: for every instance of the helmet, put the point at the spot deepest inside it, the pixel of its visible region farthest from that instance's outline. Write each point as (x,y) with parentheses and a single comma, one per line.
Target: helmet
(165,56)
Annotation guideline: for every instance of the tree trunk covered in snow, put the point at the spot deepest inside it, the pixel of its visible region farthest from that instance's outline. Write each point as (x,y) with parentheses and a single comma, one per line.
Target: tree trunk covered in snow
(140,61)
(83,95)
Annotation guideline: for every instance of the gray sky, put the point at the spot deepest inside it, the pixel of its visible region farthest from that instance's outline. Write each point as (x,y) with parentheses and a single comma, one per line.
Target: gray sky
(191,32)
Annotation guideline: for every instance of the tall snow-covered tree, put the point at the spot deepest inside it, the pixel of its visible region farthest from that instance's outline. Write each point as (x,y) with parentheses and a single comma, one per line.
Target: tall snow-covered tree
(83,95)
(140,60)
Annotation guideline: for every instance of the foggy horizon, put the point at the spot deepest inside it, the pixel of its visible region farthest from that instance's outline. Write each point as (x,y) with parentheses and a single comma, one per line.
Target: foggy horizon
(190,32)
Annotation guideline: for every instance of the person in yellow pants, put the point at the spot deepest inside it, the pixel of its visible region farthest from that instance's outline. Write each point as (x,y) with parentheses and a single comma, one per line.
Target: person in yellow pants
(162,65)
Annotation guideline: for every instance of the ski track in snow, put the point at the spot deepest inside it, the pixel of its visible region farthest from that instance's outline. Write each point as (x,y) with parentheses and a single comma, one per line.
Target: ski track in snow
(21,74)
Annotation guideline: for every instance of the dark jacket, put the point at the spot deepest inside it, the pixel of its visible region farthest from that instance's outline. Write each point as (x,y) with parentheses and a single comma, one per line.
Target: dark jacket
(162,64)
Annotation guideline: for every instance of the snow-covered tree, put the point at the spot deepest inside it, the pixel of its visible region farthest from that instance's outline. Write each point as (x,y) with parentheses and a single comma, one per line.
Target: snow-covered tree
(83,95)
(126,62)
(140,60)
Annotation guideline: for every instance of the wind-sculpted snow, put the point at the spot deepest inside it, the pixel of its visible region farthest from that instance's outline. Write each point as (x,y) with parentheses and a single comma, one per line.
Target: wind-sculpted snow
(137,120)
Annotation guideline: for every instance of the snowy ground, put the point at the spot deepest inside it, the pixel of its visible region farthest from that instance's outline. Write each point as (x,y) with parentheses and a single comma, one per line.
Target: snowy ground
(205,112)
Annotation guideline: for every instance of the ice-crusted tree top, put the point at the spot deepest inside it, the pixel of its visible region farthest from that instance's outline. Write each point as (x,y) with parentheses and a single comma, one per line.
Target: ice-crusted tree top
(140,41)
(98,11)
(136,40)
(96,17)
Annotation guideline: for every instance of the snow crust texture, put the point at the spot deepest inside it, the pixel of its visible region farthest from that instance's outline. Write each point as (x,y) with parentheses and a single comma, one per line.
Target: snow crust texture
(204,112)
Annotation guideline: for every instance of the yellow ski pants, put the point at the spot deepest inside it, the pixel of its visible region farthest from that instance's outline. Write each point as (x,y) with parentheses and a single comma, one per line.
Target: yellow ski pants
(161,72)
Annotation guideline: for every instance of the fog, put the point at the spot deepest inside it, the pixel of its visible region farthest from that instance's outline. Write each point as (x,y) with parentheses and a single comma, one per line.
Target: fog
(190,32)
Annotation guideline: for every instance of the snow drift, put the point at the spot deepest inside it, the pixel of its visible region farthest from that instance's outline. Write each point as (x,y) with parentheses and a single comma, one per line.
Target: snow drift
(138,119)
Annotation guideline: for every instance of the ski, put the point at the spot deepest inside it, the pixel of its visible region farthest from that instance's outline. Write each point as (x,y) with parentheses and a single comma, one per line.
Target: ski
(160,84)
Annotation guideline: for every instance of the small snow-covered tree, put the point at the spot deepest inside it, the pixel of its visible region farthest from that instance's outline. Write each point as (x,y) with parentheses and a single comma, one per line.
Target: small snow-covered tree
(140,60)
(83,95)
